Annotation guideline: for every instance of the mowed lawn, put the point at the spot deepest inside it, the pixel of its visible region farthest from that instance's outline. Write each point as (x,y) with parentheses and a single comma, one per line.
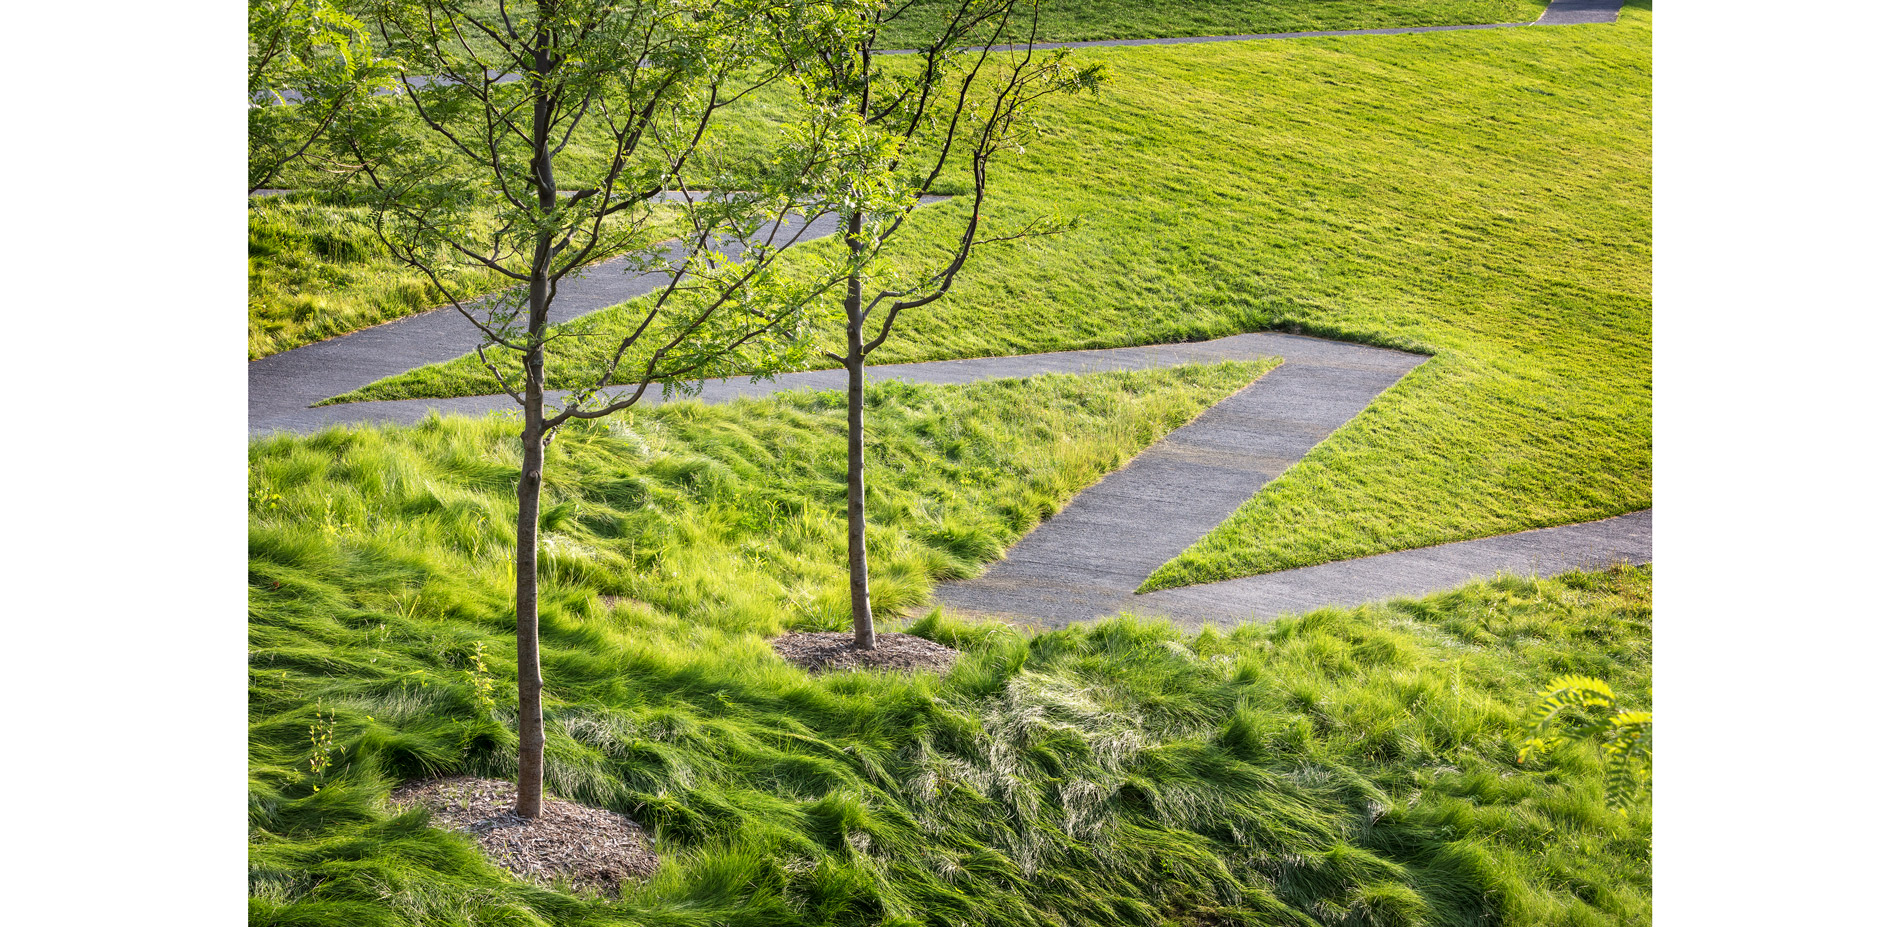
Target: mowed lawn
(317,271)
(1481,196)
(1083,20)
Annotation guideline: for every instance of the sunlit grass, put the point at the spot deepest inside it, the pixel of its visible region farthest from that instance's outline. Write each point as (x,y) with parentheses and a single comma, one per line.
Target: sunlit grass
(1351,766)
(1480,196)
(1081,20)
(317,271)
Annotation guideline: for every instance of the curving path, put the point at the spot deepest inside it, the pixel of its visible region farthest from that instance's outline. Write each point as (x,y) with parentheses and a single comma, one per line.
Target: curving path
(284,386)
(1085,561)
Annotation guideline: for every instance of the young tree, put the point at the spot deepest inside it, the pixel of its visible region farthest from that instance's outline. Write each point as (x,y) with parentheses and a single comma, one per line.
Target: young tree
(311,70)
(904,123)
(508,90)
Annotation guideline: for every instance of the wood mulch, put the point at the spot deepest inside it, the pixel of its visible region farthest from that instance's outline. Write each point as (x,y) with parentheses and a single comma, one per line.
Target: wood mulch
(821,651)
(592,848)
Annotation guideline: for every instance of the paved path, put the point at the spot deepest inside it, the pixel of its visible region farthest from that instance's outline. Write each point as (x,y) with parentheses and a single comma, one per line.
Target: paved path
(1146,357)
(1579,12)
(1085,561)
(284,385)
(1592,545)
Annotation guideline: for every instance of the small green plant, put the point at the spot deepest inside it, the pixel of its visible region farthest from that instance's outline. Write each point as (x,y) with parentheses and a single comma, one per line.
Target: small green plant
(322,742)
(264,501)
(1577,709)
(479,677)
(333,524)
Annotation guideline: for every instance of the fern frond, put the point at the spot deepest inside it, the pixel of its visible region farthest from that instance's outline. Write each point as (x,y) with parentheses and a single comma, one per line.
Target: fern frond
(1580,708)
(1629,753)
(1566,705)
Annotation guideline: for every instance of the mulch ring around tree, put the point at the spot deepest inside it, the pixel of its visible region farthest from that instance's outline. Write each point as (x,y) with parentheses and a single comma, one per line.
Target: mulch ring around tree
(822,651)
(591,848)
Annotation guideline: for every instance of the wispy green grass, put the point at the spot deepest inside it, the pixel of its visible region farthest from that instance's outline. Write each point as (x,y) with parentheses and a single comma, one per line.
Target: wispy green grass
(980,466)
(1349,767)
(1083,20)
(1480,196)
(317,271)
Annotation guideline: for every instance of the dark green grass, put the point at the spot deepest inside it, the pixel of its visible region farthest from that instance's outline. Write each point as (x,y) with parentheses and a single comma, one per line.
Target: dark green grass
(1481,196)
(1344,767)
(1083,20)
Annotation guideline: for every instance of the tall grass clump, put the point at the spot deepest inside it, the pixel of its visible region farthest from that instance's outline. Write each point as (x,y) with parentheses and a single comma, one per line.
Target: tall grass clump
(1342,767)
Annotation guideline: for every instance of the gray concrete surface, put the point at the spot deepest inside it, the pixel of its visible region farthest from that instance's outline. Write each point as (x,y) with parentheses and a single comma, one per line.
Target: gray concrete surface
(1086,559)
(1236,347)
(283,386)
(1580,12)
(1592,545)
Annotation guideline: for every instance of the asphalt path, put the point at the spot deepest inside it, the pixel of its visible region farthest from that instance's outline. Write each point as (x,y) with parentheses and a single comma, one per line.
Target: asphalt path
(1594,545)
(1085,561)
(284,386)
(1580,12)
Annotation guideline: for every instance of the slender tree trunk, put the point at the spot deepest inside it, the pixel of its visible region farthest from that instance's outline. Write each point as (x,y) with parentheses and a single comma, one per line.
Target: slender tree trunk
(533,735)
(865,636)
(528,785)
(527,598)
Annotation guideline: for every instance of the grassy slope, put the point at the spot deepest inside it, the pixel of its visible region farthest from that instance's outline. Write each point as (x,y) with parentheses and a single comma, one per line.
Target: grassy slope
(315,272)
(1082,20)
(1340,766)
(1343,766)
(1483,196)
(1535,299)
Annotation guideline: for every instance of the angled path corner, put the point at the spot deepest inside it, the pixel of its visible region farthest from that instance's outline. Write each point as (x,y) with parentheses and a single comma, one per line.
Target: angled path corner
(1087,558)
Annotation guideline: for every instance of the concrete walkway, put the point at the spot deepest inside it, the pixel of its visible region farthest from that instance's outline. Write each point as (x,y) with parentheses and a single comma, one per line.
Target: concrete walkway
(284,385)
(1591,545)
(1579,12)
(1145,357)
(1085,561)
